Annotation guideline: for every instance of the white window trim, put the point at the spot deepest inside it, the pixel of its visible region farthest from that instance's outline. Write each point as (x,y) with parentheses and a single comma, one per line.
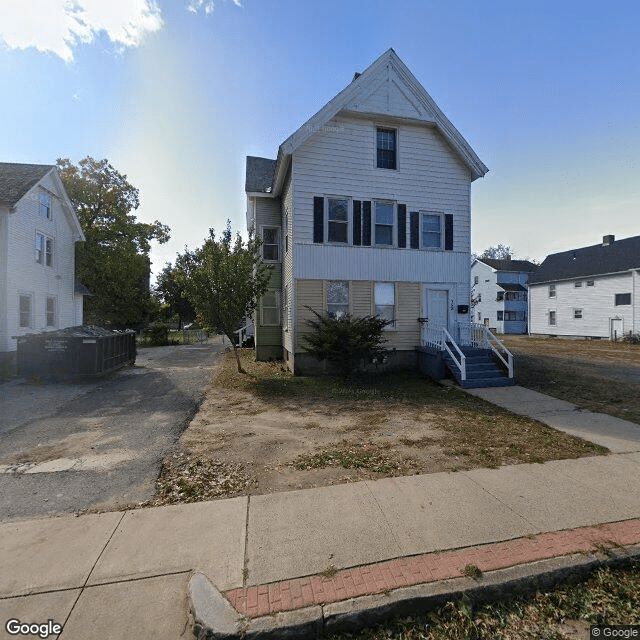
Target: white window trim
(392,326)
(278,242)
(46,195)
(26,294)
(394,225)
(277,307)
(326,295)
(555,315)
(55,311)
(440,215)
(554,294)
(349,220)
(622,304)
(377,126)
(45,237)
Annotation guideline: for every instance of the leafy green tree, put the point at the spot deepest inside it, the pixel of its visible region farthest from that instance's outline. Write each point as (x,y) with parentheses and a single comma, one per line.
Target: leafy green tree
(346,341)
(498,252)
(170,289)
(113,262)
(224,279)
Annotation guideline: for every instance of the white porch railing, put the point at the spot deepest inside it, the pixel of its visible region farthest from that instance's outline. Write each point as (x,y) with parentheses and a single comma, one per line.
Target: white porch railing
(482,338)
(242,334)
(439,338)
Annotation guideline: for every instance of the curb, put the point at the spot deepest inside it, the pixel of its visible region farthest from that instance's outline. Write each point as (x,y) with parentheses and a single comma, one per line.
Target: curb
(216,619)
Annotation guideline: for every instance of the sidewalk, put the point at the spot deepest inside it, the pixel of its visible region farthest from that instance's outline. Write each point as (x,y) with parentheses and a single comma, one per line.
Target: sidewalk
(321,554)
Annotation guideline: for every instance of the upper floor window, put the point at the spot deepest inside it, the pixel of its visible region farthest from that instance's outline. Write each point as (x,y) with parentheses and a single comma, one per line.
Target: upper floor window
(270,244)
(623,298)
(337,298)
(384,223)
(431,231)
(338,219)
(552,290)
(591,283)
(577,284)
(45,205)
(475,279)
(386,148)
(44,250)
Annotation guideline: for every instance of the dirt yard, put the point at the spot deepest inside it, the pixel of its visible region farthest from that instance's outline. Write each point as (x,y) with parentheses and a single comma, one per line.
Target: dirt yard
(598,375)
(268,431)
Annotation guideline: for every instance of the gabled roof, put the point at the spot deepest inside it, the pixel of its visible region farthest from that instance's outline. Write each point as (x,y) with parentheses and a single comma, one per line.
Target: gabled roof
(259,177)
(599,259)
(510,265)
(16,179)
(387,75)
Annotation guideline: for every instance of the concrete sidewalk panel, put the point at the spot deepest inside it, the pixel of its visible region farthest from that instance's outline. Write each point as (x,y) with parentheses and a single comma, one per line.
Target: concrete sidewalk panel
(444,511)
(298,533)
(52,553)
(151,608)
(619,436)
(38,608)
(207,536)
(522,401)
(614,476)
(547,498)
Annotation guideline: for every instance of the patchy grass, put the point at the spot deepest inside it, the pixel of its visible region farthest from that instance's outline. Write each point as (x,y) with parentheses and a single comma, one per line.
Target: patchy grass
(599,376)
(609,596)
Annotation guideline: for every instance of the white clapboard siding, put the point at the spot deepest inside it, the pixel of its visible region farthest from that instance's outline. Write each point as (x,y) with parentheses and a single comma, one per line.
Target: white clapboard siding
(25,276)
(597,304)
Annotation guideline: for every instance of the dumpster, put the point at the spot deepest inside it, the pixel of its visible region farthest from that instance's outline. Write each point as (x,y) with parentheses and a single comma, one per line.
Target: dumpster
(75,352)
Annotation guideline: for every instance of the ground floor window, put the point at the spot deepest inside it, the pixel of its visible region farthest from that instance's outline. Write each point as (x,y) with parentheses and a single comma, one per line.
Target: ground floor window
(337,298)
(500,316)
(552,318)
(270,308)
(385,301)
(51,312)
(623,298)
(25,310)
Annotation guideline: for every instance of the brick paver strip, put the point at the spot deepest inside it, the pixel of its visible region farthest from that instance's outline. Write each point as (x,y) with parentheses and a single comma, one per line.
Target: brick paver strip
(264,599)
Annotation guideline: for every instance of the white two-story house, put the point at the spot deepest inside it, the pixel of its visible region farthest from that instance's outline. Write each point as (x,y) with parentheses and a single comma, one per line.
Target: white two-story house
(590,292)
(366,209)
(499,293)
(38,232)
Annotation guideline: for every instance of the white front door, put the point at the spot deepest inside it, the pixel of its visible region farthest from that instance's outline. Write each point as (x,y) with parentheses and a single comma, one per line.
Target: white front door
(616,328)
(436,310)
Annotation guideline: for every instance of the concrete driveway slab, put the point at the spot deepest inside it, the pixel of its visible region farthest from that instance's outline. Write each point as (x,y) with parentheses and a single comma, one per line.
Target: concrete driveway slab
(550,500)
(52,553)
(302,532)
(444,511)
(38,608)
(151,608)
(614,476)
(619,436)
(207,536)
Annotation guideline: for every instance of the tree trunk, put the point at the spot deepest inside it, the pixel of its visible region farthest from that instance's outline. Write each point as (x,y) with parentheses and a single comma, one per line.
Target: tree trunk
(235,350)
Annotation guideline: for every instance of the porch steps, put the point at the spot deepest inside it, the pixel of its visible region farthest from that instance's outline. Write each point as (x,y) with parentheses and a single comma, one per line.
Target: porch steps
(482,371)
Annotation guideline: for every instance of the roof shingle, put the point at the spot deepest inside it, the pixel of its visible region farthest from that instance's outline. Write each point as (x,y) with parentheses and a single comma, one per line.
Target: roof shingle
(259,174)
(16,179)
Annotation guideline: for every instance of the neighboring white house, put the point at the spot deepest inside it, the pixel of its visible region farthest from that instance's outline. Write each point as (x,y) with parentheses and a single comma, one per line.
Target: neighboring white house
(38,232)
(590,292)
(499,293)
(366,210)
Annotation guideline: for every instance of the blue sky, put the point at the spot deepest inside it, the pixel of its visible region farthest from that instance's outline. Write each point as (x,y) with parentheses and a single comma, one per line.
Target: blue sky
(176,93)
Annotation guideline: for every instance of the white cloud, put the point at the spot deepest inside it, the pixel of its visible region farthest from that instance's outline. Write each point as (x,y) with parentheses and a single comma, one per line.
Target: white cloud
(207,5)
(57,26)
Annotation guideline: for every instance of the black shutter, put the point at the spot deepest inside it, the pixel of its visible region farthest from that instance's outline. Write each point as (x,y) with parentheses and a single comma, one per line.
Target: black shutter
(357,223)
(415,229)
(448,232)
(318,219)
(402,225)
(366,223)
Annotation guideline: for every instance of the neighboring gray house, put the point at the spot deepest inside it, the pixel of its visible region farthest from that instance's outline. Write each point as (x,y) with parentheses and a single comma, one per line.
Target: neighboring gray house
(589,292)
(499,293)
(38,232)
(366,209)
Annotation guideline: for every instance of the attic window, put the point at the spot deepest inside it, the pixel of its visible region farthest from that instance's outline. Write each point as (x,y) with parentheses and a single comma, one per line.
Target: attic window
(386,148)
(45,205)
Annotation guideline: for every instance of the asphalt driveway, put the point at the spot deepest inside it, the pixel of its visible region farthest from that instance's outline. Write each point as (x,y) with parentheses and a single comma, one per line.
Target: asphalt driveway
(69,447)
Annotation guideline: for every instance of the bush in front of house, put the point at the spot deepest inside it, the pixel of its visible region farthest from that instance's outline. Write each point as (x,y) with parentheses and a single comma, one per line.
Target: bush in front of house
(346,342)
(631,338)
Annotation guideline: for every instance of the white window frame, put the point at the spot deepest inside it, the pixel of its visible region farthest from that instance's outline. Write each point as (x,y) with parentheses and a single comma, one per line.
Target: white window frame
(44,248)
(277,308)
(440,217)
(29,297)
(552,290)
(341,304)
(555,318)
(382,127)
(275,244)
(621,304)
(377,306)
(346,222)
(54,312)
(45,205)
(393,225)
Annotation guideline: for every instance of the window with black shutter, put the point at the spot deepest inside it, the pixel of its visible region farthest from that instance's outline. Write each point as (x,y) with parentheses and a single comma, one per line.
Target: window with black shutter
(366,223)
(402,225)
